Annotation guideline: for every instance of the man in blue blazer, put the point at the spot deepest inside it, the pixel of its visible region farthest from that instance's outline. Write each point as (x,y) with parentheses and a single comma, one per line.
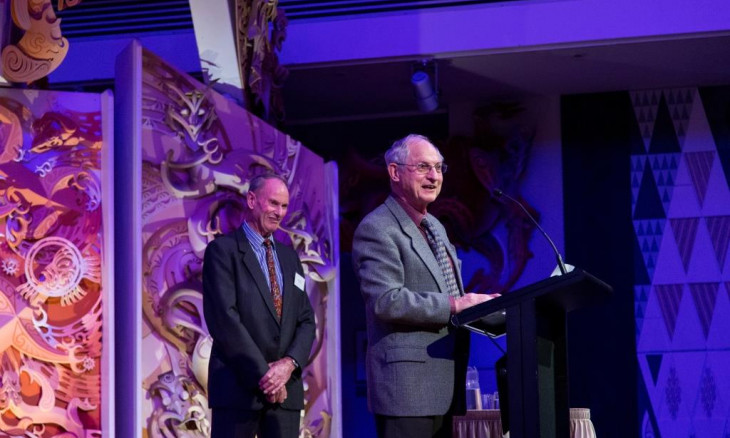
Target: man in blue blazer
(258,313)
(410,279)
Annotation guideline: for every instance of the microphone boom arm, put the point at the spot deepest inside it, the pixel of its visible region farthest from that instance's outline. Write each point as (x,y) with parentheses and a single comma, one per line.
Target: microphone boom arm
(559,258)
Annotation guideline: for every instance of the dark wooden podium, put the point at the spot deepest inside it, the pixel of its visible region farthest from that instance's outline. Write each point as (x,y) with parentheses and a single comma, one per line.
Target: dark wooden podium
(534,320)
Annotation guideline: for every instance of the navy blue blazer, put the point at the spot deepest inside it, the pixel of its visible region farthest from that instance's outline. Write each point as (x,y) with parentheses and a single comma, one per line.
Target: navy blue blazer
(241,318)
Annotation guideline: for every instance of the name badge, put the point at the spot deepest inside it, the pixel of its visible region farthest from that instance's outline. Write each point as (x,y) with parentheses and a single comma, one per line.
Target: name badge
(299,281)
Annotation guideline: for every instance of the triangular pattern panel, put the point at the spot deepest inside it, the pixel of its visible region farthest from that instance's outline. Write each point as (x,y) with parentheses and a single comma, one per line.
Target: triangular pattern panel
(669,297)
(645,107)
(664,167)
(704,296)
(649,203)
(715,103)
(719,229)
(717,194)
(648,427)
(684,201)
(669,265)
(680,107)
(685,230)
(663,138)
(717,337)
(702,263)
(698,135)
(637,172)
(650,366)
(649,236)
(683,341)
(655,363)
(700,164)
(641,297)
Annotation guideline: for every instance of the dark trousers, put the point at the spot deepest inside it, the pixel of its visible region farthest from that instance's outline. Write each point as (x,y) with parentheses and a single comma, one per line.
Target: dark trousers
(438,426)
(273,422)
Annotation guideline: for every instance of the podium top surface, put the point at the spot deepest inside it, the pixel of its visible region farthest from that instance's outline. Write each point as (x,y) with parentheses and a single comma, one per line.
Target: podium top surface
(565,292)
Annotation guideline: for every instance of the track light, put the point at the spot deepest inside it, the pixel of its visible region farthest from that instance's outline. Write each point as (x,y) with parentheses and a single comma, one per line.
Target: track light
(423,87)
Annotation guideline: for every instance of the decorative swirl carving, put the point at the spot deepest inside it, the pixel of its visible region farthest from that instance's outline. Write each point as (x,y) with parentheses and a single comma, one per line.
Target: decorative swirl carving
(50,255)
(63,4)
(61,276)
(199,157)
(180,408)
(19,67)
(261,74)
(41,49)
(193,114)
(42,414)
(54,130)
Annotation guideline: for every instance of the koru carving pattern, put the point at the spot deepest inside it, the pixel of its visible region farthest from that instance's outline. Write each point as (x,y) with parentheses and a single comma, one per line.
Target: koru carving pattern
(200,152)
(50,265)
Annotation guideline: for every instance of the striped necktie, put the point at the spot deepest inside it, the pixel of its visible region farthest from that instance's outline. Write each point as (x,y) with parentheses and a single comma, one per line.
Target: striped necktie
(442,257)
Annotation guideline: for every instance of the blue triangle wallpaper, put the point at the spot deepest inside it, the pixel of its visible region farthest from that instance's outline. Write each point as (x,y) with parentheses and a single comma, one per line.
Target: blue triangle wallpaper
(680,198)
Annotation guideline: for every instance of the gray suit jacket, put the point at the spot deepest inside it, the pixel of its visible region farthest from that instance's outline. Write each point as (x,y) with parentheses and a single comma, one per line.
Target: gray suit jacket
(416,363)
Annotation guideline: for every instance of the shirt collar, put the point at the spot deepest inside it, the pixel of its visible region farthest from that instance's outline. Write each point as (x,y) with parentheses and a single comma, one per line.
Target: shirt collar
(254,237)
(415,215)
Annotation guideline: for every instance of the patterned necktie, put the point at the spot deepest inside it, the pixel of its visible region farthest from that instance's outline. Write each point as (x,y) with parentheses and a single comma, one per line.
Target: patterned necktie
(442,257)
(275,291)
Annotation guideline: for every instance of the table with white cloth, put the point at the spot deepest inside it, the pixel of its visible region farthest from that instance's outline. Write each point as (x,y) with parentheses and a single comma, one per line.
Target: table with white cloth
(487,424)
(478,424)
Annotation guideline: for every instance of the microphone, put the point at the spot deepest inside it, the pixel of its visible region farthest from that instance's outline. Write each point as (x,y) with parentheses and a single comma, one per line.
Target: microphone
(559,258)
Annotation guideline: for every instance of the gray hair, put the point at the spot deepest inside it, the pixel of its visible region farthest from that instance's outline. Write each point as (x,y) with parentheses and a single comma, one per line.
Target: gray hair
(258,181)
(398,152)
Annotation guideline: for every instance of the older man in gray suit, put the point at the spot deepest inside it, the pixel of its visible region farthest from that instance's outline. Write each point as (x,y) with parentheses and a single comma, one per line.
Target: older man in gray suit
(411,281)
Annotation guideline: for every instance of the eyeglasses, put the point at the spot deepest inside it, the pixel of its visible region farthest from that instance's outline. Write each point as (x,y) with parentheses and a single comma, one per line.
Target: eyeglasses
(425,168)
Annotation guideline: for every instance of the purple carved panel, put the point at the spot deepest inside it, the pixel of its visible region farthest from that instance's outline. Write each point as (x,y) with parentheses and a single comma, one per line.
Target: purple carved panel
(55,264)
(199,152)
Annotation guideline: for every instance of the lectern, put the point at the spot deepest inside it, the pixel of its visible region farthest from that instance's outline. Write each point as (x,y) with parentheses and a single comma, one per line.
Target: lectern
(534,320)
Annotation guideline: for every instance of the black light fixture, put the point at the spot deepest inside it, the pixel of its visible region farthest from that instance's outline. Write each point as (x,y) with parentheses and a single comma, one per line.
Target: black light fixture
(424,78)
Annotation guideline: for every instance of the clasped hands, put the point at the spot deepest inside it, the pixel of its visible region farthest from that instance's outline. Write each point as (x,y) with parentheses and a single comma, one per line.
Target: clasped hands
(274,381)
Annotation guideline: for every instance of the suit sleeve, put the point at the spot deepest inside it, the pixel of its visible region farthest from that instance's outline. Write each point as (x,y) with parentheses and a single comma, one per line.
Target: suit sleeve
(380,268)
(222,317)
(304,333)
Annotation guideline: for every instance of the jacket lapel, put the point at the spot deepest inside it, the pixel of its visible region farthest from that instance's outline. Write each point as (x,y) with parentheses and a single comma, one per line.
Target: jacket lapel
(418,242)
(254,268)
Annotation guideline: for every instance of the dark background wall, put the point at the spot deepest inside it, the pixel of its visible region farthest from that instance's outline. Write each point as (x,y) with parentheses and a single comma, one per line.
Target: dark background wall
(598,131)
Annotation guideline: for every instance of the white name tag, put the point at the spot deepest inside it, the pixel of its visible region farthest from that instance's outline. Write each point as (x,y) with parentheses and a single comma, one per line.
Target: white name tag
(298,281)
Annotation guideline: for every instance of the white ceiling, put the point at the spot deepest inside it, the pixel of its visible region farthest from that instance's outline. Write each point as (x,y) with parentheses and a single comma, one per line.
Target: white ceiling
(383,87)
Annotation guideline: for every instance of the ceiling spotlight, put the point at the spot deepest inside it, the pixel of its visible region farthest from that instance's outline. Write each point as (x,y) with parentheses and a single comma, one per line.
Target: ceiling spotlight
(423,86)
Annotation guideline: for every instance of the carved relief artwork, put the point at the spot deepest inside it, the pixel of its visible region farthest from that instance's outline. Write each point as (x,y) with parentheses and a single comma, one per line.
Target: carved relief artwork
(261,74)
(41,48)
(63,4)
(199,153)
(51,244)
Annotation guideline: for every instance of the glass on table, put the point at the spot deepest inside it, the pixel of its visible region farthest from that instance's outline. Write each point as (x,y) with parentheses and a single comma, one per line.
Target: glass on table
(487,401)
(473,393)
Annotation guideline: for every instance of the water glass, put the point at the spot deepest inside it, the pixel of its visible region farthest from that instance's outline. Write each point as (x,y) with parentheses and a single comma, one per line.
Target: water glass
(487,400)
